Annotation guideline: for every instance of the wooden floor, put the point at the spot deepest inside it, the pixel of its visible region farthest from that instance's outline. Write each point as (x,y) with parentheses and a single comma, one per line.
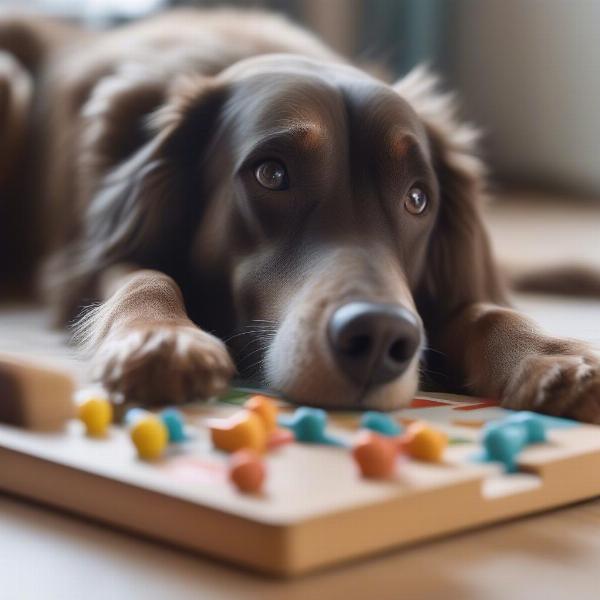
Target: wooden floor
(556,555)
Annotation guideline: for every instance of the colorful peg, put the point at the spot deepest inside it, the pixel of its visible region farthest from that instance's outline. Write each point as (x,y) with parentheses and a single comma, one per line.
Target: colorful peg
(309,426)
(380,423)
(265,408)
(375,455)
(96,413)
(149,435)
(534,425)
(424,442)
(244,429)
(175,423)
(503,442)
(247,471)
(133,415)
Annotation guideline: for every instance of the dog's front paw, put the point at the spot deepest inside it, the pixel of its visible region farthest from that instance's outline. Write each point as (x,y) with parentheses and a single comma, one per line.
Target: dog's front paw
(163,364)
(561,385)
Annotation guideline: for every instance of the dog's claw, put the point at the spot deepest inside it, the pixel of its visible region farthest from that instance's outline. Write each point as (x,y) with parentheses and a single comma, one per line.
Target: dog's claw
(163,364)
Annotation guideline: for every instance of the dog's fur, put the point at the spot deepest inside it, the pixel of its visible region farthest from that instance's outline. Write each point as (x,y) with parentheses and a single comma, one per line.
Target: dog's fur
(129,156)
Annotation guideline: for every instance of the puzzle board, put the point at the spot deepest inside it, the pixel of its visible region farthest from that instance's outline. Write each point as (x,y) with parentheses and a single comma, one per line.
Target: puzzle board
(315,509)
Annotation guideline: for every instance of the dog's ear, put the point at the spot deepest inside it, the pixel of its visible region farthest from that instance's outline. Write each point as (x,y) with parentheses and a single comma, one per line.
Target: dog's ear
(142,144)
(459,267)
(139,195)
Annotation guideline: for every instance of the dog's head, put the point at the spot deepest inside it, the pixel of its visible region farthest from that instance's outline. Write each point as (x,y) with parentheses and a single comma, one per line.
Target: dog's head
(300,209)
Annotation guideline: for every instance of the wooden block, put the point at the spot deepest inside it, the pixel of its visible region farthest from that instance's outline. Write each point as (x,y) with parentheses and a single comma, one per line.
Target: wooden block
(34,395)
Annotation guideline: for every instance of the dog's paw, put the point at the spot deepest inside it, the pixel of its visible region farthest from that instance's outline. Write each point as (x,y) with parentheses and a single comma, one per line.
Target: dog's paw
(163,364)
(560,385)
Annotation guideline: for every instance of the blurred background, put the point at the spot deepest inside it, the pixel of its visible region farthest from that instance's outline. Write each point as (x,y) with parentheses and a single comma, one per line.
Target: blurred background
(527,73)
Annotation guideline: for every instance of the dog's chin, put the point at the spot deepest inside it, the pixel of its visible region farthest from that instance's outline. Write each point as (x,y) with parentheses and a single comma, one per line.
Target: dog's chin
(326,388)
(394,395)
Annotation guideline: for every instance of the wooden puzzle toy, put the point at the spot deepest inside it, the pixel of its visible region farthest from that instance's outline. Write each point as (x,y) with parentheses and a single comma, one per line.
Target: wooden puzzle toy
(221,478)
(34,394)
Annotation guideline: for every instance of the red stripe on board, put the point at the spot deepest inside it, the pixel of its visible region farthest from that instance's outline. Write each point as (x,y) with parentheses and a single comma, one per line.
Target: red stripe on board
(485,404)
(426,403)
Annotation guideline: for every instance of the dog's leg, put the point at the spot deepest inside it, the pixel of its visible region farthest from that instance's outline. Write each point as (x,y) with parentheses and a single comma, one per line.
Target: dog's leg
(502,354)
(146,349)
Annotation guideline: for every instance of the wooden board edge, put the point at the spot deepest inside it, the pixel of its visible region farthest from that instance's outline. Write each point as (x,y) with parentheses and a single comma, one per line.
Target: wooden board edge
(150,514)
(290,550)
(435,513)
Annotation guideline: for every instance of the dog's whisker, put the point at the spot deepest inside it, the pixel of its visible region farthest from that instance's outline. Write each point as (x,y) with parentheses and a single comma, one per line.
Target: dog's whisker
(266,343)
(261,349)
(257,366)
(433,350)
(248,332)
(258,327)
(238,335)
(427,372)
(256,339)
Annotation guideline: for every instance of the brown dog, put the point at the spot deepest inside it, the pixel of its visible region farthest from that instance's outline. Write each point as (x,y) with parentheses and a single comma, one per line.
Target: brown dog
(224,176)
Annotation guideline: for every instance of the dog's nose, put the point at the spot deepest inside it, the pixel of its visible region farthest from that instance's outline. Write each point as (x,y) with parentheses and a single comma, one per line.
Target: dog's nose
(373,343)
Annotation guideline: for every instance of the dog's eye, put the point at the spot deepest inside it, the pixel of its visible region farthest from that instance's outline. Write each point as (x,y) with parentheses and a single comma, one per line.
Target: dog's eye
(272,175)
(415,201)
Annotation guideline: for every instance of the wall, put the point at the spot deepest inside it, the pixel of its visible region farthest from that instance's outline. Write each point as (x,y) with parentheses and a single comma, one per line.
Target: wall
(529,71)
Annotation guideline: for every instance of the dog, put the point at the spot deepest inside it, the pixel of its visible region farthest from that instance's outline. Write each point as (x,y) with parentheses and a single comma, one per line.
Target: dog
(221,193)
